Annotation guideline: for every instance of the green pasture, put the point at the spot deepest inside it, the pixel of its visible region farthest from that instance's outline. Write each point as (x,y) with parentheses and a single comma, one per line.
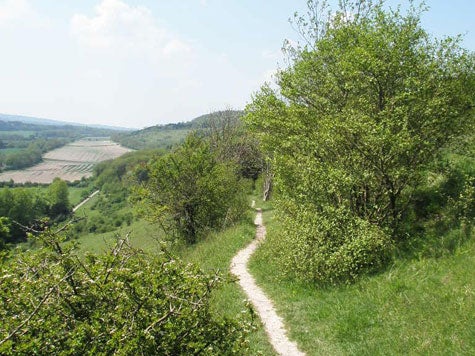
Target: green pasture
(22,133)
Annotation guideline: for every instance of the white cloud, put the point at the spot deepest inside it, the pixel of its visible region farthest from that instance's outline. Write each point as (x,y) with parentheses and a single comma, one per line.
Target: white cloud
(19,12)
(129,29)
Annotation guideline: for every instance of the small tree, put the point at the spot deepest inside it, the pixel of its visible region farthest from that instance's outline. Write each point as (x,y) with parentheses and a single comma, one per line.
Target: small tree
(189,191)
(58,196)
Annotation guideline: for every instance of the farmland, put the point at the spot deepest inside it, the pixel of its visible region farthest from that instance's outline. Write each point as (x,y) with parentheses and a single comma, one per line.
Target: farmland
(70,162)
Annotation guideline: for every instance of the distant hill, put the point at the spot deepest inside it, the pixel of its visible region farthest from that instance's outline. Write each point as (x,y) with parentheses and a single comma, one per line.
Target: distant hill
(168,135)
(49,122)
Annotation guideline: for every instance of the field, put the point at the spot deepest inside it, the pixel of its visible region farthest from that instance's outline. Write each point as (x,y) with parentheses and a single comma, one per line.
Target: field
(70,163)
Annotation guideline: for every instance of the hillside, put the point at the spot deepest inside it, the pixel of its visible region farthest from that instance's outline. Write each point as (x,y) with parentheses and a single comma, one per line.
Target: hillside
(168,135)
(49,122)
(22,143)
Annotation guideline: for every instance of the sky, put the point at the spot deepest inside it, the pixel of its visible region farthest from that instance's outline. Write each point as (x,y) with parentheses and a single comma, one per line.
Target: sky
(139,63)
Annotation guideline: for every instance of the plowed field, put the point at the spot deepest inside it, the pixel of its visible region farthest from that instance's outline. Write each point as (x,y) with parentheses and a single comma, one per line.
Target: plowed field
(71,162)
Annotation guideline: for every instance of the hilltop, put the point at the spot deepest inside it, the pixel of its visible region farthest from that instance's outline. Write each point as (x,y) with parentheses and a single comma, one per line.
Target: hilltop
(168,135)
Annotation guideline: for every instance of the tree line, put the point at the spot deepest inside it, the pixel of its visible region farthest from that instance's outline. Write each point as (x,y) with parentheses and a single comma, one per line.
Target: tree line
(23,209)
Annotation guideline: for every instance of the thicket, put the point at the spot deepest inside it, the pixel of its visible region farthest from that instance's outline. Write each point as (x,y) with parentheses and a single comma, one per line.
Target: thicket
(356,130)
(123,302)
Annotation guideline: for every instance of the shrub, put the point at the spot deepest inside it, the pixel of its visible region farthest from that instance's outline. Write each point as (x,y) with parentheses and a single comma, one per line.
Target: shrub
(331,247)
(124,302)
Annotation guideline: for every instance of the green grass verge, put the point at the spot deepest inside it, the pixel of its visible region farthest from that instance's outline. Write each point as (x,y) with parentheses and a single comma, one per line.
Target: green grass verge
(75,195)
(142,235)
(424,306)
(215,253)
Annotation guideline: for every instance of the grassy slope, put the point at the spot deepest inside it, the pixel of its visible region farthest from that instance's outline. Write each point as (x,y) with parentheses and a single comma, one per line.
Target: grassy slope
(214,253)
(422,306)
(142,234)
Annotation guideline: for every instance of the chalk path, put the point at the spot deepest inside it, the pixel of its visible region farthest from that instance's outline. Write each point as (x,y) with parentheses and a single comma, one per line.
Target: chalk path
(273,323)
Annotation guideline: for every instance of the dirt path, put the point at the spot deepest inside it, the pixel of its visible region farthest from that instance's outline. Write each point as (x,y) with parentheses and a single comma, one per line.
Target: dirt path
(273,324)
(84,201)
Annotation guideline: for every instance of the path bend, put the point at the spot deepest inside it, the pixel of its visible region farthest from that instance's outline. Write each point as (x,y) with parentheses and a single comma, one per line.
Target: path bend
(264,307)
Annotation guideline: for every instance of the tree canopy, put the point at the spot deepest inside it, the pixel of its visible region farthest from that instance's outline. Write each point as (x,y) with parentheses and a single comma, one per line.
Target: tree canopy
(363,108)
(190,191)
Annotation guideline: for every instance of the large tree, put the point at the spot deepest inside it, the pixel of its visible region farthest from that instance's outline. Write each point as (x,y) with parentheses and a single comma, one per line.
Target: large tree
(365,105)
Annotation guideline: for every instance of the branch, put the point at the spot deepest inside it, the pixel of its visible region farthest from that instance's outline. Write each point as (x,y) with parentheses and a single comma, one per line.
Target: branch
(37,308)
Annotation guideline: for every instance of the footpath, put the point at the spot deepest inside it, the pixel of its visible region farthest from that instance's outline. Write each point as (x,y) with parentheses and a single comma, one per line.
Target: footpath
(84,201)
(264,307)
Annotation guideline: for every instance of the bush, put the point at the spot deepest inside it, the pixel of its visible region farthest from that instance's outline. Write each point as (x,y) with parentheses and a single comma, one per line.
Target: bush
(124,302)
(330,247)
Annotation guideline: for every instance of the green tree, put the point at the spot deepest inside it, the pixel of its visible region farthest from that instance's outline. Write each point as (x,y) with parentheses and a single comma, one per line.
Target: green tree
(22,208)
(190,191)
(365,106)
(4,231)
(58,196)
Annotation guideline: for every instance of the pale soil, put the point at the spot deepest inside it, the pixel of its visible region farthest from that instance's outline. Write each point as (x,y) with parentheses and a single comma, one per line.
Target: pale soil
(85,201)
(273,323)
(70,162)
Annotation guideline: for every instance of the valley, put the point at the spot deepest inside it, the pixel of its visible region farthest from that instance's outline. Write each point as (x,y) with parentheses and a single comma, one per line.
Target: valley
(71,162)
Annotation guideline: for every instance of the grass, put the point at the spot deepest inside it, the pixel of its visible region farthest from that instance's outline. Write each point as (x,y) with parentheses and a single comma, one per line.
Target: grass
(424,306)
(215,253)
(75,195)
(142,235)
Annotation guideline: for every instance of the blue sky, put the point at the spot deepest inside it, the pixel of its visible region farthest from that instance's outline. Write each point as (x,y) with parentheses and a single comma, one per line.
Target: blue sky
(138,63)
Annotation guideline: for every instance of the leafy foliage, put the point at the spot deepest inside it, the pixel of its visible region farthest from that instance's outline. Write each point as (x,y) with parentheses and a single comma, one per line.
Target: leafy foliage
(23,208)
(360,114)
(58,196)
(122,302)
(189,191)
